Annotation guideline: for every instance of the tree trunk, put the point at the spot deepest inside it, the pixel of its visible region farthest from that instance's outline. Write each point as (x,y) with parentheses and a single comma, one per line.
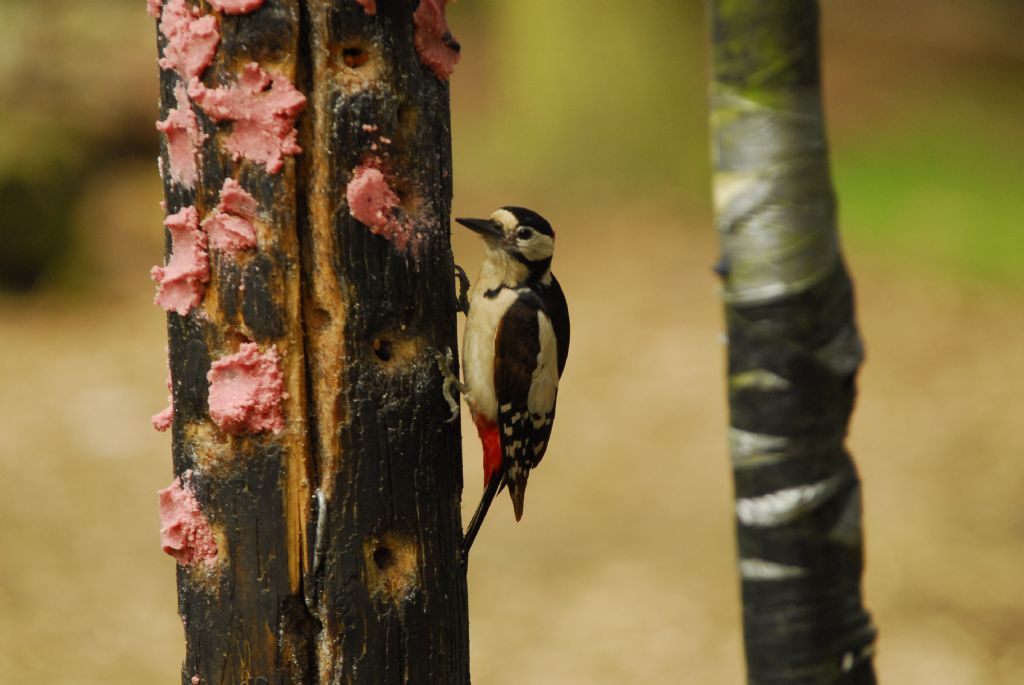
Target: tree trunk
(793,351)
(316,511)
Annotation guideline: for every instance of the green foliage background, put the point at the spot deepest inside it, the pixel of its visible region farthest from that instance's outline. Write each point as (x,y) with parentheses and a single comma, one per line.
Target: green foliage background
(604,102)
(581,104)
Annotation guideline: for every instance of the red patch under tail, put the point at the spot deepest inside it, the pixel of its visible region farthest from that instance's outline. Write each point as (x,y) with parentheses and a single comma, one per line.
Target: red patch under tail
(491,441)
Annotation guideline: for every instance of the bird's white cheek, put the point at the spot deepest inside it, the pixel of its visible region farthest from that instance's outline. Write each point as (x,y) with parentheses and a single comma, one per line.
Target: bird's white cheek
(537,248)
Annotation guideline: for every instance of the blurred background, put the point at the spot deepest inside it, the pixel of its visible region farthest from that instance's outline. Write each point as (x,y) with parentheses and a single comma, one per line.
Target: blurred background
(622,570)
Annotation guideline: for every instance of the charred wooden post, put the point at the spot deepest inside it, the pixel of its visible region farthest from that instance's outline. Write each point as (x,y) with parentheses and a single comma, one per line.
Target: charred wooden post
(307,174)
(793,352)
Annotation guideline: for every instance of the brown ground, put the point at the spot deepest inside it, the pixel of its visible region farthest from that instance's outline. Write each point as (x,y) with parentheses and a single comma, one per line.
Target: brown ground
(622,570)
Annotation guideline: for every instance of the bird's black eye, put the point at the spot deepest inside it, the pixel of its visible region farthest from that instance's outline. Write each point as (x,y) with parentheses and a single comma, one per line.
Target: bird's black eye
(524,233)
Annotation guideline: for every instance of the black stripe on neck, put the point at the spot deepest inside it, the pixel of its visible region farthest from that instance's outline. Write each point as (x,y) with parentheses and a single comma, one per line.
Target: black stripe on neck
(536,269)
(535,272)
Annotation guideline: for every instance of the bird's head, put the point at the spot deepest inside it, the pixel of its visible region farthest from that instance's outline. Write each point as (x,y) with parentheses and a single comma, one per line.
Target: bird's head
(519,233)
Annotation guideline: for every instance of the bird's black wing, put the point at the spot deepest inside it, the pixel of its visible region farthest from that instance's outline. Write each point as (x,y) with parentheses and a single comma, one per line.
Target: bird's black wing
(526,384)
(558,310)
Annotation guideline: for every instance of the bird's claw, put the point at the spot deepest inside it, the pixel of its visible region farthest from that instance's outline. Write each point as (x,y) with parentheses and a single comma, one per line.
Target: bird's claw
(444,363)
(462,304)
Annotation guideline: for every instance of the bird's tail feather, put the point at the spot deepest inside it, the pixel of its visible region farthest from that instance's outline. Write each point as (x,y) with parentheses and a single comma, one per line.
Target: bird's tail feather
(516,478)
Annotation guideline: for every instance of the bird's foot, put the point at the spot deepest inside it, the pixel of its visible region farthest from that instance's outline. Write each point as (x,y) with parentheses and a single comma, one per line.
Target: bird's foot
(444,363)
(462,304)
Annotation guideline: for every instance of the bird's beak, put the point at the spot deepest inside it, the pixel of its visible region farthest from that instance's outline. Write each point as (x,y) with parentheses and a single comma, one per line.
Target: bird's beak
(488,228)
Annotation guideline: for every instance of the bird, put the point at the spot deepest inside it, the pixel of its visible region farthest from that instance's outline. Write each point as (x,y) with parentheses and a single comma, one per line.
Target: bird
(514,350)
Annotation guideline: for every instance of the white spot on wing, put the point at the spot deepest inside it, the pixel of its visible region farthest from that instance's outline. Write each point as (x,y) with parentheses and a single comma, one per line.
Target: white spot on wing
(544,388)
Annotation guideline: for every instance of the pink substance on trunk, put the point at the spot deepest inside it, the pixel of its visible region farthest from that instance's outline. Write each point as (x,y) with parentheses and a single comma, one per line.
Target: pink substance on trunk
(191,39)
(162,421)
(185,533)
(372,202)
(236,6)
(263,109)
(369,6)
(434,42)
(180,284)
(230,227)
(153,8)
(183,140)
(246,390)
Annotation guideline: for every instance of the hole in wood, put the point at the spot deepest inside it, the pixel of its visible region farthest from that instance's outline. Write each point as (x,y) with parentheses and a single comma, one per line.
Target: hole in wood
(410,200)
(382,348)
(395,348)
(383,558)
(392,567)
(357,64)
(354,56)
(235,339)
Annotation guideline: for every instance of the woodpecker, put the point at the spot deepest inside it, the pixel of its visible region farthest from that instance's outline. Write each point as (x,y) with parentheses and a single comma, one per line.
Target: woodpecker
(514,350)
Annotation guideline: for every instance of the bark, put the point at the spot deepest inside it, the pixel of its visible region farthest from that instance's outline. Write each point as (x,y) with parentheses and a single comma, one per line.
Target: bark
(337,537)
(793,351)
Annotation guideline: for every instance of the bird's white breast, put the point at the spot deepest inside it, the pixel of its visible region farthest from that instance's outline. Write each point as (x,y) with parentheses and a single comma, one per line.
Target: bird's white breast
(478,349)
